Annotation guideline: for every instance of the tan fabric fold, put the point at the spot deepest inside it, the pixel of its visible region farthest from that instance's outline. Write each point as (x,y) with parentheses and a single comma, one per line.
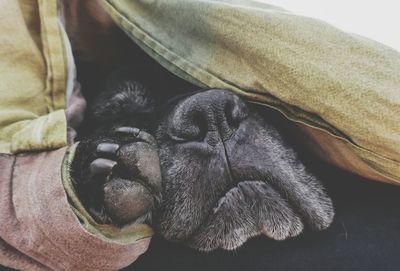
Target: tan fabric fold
(32,77)
(40,229)
(312,72)
(336,151)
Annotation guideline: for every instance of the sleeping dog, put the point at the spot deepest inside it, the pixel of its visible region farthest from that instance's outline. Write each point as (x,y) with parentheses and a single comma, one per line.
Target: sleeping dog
(204,168)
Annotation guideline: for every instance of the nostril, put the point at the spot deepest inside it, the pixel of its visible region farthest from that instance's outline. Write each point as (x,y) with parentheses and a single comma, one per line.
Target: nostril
(231,116)
(235,112)
(190,133)
(206,116)
(190,127)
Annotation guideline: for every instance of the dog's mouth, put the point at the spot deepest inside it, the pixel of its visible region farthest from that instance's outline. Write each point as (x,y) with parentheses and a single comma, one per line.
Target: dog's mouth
(228,205)
(233,220)
(229,195)
(239,183)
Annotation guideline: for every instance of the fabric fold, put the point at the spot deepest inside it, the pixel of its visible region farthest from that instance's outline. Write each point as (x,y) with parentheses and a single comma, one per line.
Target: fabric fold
(315,74)
(41,226)
(32,77)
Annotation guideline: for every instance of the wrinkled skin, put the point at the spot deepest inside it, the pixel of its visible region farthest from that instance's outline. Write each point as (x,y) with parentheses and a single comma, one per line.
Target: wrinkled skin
(226,172)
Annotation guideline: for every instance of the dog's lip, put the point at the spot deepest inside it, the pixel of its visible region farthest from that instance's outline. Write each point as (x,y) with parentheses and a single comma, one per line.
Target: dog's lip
(228,193)
(217,210)
(214,211)
(222,200)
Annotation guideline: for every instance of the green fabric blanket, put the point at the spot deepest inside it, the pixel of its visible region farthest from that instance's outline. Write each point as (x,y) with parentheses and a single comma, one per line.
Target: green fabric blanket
(344,85)
(342,91)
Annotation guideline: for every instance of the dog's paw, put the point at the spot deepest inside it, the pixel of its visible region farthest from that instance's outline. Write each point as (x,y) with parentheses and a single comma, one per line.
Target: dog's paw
(117,176)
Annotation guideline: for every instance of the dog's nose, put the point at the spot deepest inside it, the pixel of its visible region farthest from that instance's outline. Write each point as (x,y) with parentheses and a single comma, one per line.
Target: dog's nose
(212,115)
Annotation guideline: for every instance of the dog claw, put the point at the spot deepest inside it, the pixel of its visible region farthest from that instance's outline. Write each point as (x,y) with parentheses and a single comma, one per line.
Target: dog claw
(102,166)
(128,130)
(138,134)
(107,148)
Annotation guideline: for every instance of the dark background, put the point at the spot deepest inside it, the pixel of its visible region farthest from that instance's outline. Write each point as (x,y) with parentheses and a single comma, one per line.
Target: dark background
(365,235)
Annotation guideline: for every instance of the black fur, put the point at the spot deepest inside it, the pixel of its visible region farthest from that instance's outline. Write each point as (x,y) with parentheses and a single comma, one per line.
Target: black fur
(227,174)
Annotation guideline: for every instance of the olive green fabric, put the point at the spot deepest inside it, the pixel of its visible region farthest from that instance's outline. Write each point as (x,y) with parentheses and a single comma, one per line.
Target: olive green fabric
(32,77)
(125,235)
(40,213)
(343,84)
